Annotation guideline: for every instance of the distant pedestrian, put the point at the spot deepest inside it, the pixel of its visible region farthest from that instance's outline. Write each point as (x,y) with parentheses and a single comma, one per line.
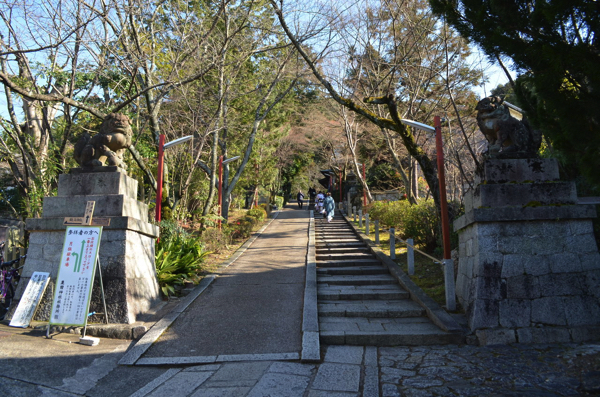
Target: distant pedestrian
(300,197)
(320,202)
(312,195)
(329,207)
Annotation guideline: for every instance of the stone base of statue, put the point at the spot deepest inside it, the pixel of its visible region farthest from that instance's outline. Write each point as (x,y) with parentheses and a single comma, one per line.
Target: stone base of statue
(529,268)
(126,249)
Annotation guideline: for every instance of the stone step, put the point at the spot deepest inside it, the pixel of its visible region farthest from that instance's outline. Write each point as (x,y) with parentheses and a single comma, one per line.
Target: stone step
(342,250)
(335,240)
(376,279)
(349,263)
(401,308)
(321,244)
(338,234)
(334,231)
(333,257)
(412,331)
(360,292)
(353,270)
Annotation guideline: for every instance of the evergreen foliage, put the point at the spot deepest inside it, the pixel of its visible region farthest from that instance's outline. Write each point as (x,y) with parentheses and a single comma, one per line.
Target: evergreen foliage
(555,47)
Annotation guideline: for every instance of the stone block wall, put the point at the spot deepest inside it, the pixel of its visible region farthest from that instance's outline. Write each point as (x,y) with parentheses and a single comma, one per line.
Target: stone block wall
(529,275)
(126,252)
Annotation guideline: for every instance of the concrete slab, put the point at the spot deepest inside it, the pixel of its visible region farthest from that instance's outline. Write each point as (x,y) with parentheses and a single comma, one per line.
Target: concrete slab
(337,377)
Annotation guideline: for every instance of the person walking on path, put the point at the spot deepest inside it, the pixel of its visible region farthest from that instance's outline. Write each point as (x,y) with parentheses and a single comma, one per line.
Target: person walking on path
(300,197)
(312,195)
(329,207)
(320,202)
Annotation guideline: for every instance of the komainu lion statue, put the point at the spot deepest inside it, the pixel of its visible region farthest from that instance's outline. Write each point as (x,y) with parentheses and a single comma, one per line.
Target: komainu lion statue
(508,137)
(107,146)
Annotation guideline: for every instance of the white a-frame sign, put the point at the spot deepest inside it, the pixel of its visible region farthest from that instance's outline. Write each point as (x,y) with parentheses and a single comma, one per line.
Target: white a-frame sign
(76,276)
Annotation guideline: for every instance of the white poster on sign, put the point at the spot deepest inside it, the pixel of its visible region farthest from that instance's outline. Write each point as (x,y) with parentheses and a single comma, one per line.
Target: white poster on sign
(30,299)
(75,275)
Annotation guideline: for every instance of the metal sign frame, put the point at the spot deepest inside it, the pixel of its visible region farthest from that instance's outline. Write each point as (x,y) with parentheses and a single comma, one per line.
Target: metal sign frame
(75,278)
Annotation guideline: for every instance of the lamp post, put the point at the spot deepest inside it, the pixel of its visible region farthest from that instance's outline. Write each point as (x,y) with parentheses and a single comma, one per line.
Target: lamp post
(221,162)
(159,177)
(448,264)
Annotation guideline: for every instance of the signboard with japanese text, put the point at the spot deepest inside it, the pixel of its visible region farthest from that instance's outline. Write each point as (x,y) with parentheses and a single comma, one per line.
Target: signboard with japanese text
(30,299)
(76,275)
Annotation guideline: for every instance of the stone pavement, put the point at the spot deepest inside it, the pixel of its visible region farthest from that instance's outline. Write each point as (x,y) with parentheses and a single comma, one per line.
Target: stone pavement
(31,365)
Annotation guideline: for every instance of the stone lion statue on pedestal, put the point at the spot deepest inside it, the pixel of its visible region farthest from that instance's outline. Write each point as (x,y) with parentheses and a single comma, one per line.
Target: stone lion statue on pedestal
(508,137)
(107,146)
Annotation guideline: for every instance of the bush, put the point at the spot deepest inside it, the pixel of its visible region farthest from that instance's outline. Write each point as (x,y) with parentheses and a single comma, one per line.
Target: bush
(215,240)
(170,230)
(257,213)
(243,227)
(179,259)
(419,222)
(278,201)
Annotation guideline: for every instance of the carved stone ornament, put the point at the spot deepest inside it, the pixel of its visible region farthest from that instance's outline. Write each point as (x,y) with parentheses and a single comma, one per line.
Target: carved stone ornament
(107,146)
(508,137)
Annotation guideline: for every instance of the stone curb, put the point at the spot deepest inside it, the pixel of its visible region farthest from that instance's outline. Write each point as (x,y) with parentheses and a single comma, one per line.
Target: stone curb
(434,311)
(134,354)
(311,348)
(223,358)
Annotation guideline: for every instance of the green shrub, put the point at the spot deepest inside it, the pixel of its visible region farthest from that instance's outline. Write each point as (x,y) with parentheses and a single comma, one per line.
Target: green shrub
(216,240)
(257,213)
(170,229)
(179,257)
(419,222)
(243,227)
(278,201)
(266,207)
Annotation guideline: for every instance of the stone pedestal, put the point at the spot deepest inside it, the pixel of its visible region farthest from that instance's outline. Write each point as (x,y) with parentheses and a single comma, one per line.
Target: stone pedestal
(126,248)
(529,268)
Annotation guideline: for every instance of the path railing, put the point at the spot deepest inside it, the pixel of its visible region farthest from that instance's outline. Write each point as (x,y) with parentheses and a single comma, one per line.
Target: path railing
(447,264)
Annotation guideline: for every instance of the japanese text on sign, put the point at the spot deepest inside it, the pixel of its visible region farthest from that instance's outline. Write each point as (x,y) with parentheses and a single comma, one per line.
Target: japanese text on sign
(76,275)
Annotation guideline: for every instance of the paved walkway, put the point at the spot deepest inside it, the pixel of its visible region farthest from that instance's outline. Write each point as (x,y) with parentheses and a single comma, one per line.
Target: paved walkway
(31,365)
(252,307)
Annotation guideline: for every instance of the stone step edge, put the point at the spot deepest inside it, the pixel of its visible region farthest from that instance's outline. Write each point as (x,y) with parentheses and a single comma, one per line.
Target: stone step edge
(389,338)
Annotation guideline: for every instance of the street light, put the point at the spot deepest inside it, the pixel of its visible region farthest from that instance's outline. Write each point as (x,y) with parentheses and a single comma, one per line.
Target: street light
(221,162)
(159,178)
(448,265)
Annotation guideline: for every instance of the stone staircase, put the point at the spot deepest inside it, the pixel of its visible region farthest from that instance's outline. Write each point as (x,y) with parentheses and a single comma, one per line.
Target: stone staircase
(359,301)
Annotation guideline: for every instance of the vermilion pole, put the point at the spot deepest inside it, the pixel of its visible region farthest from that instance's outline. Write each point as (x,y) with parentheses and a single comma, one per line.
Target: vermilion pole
(442,179)
(220,189)
(159,176)
(340,185)
(365,188)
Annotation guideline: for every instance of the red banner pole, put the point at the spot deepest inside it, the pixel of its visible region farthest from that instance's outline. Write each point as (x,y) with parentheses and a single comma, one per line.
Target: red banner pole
(159,176)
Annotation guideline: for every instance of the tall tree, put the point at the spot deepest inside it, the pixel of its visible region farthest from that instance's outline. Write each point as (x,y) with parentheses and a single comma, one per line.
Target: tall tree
(97,57)
(555,46)
(394,56)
